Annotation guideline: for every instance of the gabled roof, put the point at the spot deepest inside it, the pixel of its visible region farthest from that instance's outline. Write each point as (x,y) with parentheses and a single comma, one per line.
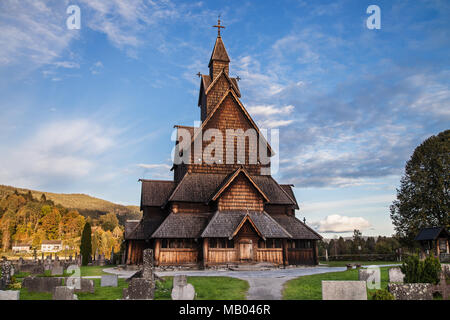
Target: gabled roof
(277,194)
(295,227)
(142,229)
(431,233)
(201,187)
(247,115)
(51,242)
(197,187)
(219,52)
(231,82)
(243,221)
(288,189)
(227,182)
(224,225)
(182,225)
(205,85)
(155,192)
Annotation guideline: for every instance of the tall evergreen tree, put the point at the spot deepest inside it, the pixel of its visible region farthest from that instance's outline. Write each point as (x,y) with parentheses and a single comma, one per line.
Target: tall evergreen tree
(423,199)
(86,244)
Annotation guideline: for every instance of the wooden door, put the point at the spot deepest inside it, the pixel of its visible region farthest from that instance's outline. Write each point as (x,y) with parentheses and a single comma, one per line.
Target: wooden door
(246,250)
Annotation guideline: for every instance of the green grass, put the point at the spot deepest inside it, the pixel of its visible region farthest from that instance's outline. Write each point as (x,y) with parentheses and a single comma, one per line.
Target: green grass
(310,287)
(94,270)
(364,263)
(206,288)
(105,293)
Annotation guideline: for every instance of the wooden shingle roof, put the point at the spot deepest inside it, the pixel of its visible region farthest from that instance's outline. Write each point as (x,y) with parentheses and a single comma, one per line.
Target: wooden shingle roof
(431,233)
(224,224)
(141,229)
(276,193)
(155,192)
(219,52)
(201,187)
(197,187)
(296,228)
(182,225)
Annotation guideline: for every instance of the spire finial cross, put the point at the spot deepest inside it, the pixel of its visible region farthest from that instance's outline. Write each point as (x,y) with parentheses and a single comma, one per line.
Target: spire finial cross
(218,26)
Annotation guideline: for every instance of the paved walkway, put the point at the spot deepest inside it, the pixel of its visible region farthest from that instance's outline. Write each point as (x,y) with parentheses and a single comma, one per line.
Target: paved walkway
(264,285)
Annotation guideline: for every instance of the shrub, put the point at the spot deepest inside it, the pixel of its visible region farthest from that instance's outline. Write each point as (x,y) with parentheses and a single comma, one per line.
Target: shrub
(382,294)
(416,271)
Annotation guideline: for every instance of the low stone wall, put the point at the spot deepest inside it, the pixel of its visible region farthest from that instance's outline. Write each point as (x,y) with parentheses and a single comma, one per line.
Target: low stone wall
(411,291)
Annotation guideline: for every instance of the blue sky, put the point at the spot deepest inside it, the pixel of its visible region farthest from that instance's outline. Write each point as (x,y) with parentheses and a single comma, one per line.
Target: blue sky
(92,110)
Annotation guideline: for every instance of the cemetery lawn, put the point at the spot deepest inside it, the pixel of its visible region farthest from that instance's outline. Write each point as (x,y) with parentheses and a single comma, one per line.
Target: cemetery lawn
(206,288)
(363,263)
(310,287)
(87,271)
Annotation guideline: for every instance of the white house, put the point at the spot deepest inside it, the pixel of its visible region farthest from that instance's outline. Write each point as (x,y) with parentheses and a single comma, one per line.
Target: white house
(51,246)
(21,247)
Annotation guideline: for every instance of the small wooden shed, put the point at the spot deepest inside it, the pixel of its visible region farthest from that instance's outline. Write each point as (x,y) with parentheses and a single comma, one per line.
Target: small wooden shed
(435,240)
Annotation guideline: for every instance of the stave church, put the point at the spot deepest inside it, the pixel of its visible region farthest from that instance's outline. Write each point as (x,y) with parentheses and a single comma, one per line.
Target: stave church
(217,213)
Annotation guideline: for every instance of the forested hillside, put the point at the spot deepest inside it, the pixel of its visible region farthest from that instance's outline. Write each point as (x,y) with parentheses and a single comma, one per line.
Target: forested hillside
(33,216)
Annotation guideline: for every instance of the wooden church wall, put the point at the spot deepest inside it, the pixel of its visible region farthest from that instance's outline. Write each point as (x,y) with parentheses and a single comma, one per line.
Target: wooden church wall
(240,196)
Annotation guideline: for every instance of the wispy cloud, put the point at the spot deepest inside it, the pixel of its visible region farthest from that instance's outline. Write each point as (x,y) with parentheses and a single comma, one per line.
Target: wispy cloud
(336,223)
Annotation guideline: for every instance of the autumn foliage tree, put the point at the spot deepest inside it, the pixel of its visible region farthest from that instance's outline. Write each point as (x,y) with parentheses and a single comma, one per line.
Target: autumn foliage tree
(423,199)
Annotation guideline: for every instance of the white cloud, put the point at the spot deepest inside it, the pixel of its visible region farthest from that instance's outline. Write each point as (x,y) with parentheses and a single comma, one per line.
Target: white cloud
(268,110)
(33,33)
(274,123)
(57,151)
(338,223)
(154,166)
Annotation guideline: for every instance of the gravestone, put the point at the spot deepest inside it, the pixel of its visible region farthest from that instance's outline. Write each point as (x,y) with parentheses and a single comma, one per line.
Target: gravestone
(139,289)
(81,285)
(344,290)
(181,289)
(10,295)
(64,293)
(411,291)
(109,280)
(7,269)
(41,284)
(147,271)
(396,275)
(57,271)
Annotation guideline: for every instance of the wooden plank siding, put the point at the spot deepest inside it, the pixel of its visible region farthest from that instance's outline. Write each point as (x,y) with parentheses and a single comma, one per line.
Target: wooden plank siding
(301,256)
(178,256)
(273,255)
(221,255)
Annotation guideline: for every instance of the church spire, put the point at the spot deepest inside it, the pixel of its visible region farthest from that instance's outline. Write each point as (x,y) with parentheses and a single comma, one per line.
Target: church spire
(219,57)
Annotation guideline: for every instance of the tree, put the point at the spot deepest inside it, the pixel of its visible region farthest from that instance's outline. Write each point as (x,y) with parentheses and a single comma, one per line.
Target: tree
(50,224)
(86,245)
(109,221)
(423,199)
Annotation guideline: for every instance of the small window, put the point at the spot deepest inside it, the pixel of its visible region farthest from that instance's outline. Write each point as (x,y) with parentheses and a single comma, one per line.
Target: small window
(230,244)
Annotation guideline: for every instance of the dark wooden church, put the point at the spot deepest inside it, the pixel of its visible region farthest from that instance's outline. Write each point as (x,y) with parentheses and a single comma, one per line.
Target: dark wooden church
(220,213)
